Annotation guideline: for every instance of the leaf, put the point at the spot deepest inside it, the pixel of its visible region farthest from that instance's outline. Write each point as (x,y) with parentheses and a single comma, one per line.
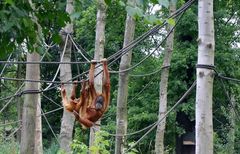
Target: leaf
(108,2)
(139,12)
(164,3)
(10,2)
(130,10)
(154,1)
(171,21)
(139,2)
(56,38)
(134,11)
(151,19)
(75,15)
(121,3)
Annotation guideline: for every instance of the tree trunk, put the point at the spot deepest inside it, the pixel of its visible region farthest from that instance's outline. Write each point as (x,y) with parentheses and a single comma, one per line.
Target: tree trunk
(19,100)
(99,54)
(159,141)
(204,90)
(231,140)
(30,104)
(125,63)
(38,149)
(66,75)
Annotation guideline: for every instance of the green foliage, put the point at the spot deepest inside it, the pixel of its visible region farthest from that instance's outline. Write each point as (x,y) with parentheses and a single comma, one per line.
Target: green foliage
(133,150)
(101,144)
(79,147)
(108,2)
(54,148)
(164,3)
(9,148)
(18,26)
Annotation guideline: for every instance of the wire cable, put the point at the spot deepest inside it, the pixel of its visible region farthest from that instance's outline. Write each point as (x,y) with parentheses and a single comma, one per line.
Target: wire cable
(39,62)
(229,99)
(183,8)
(147,74)
(160,120)
(61,59)
(49,126)
(228,78)
(18,91)
(79,51)
(143,89)
(10,100)
(151,31)
(51,100)
(10,123)
(4,67)
(151,53)
(52,111)
(15,131)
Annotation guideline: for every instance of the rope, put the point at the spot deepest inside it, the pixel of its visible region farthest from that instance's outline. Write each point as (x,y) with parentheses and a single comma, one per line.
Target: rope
(143,89)
(49,126)
(4,67)
(79,51)
(147,74)
(151,31)
(160,120)
(139,131)
(151,53)
(61,59)
(228,78)
(10,123)
(78,67)
(229,100)
(183,8)
(7,138)
(51,100)
(9,101)
(52,111)
(18,91)
(39,62)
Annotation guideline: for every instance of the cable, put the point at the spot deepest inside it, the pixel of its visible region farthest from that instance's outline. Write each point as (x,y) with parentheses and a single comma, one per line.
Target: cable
(7,138)
(39,91)
(160,120)
(148,84)
(228,78)
(151,31)
(10,123)
(79,49)
(134,133)
(139,131)
(52,111)
(9,57)
(147,74)
(49,126)
(10,100)
(61,59)
(229,100)
(17,92)
(51,100)
(39,62)
(183,8)
(83,50)
(78,67)
(145,58)
(41,81)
